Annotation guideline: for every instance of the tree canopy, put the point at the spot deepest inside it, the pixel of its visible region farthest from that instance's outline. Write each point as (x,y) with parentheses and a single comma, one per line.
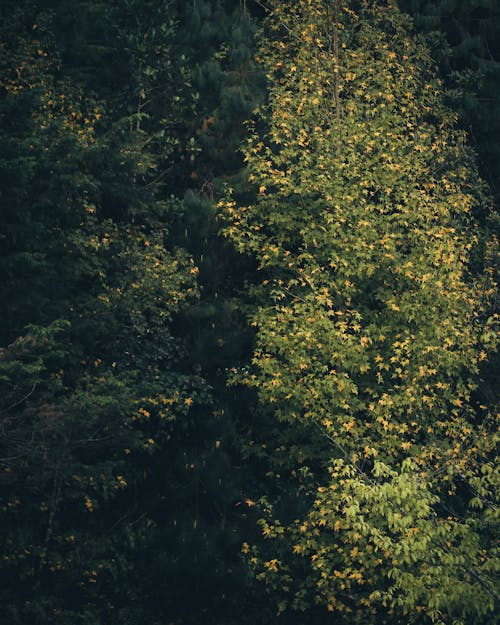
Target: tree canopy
(248,314)
(373,316)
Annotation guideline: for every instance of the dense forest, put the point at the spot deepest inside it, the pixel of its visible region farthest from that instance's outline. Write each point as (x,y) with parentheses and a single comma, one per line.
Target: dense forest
(248,259)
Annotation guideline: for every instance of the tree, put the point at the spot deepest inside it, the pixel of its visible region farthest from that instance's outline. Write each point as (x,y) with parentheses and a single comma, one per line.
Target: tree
(464,40)
(97,390)
(373,319)
(120,439)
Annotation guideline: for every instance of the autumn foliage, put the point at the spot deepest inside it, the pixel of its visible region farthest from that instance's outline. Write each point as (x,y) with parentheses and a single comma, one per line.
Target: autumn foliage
(248,319)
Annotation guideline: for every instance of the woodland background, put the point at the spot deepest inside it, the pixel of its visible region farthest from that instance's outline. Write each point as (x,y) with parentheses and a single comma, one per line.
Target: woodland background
(248,365)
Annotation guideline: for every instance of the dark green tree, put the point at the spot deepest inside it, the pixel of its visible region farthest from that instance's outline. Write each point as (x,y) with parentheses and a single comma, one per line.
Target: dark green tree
(120,123)
(464,37)
(98,394)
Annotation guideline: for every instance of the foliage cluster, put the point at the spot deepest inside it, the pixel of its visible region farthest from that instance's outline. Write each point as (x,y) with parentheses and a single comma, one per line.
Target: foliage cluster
(269,403)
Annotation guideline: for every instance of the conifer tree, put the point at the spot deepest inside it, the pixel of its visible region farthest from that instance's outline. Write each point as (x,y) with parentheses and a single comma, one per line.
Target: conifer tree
(374,318)
(464,38)
(217,38)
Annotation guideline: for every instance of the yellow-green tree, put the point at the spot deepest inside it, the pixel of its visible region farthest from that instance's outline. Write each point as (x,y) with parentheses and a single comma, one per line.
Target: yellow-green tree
(373,320)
